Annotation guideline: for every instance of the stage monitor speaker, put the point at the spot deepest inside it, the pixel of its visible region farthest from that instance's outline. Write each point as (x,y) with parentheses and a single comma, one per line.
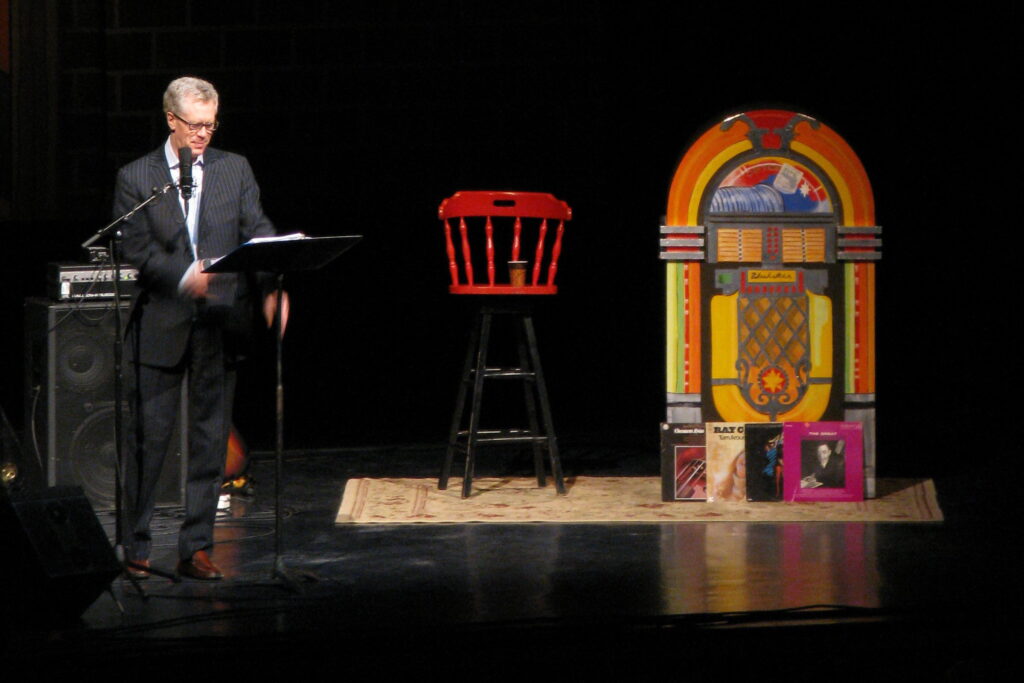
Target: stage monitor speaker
(56,556)
(69,406)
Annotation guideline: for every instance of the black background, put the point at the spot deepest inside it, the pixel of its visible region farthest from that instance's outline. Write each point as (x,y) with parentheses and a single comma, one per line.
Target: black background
(360,117)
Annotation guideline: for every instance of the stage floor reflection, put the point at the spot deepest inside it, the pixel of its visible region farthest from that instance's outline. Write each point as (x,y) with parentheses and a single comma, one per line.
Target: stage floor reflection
(931,598)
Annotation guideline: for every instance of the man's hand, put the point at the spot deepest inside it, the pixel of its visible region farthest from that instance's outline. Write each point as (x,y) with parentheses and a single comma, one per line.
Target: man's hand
(270,306)
(196,283)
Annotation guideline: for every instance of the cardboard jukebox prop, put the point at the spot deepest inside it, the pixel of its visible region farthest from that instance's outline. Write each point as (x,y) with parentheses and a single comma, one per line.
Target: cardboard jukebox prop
(770,247)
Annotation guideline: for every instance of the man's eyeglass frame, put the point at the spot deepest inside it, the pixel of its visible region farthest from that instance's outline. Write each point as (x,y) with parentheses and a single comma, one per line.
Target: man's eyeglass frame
(194,127)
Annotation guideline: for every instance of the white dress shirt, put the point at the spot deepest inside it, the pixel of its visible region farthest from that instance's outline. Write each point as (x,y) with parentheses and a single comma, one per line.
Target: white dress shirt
(192,209)
(189,207)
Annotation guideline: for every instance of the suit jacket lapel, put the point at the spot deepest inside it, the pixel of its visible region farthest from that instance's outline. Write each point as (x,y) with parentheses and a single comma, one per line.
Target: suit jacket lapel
(160,176)
(210,179)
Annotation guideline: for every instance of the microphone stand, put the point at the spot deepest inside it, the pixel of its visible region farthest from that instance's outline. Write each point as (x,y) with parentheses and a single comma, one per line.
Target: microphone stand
(113,232)
(112,229)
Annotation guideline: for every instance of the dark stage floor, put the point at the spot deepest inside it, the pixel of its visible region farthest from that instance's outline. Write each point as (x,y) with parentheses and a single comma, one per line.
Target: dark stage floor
(732,599)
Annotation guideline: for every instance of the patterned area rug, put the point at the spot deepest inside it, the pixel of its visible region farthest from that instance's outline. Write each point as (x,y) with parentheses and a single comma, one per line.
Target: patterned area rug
(608,499)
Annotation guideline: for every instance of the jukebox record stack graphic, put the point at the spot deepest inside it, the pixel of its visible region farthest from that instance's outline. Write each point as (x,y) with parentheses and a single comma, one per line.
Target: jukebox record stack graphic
(69,403)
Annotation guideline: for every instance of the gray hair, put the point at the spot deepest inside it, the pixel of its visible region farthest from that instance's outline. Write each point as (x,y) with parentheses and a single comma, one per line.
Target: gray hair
(188,88)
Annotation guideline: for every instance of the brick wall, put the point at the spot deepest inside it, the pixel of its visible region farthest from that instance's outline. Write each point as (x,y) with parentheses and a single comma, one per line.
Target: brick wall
(358,117)
(325,95)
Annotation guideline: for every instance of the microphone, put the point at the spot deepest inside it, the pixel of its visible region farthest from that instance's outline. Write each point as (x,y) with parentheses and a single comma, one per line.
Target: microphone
(185,182)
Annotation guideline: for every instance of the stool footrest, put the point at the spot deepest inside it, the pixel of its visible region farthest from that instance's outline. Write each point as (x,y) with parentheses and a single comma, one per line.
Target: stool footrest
(507,373)
(504,435)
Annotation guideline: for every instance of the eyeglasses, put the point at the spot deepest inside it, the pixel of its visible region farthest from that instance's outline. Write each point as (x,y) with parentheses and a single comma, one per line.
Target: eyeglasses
(194,127)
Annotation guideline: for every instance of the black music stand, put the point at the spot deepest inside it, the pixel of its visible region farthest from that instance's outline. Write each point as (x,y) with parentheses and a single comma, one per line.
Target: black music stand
(279,256)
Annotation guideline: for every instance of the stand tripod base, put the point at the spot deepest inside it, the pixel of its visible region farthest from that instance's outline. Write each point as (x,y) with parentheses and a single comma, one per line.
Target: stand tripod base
(291,580)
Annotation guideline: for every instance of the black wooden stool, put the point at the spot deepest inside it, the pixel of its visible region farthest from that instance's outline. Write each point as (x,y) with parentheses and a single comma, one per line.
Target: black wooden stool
(466,438)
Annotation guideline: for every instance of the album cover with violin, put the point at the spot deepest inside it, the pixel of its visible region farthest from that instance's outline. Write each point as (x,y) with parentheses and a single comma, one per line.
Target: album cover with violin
(683,462)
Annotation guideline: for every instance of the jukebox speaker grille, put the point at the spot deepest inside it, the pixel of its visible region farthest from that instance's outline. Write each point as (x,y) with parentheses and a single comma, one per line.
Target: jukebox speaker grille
(774,350)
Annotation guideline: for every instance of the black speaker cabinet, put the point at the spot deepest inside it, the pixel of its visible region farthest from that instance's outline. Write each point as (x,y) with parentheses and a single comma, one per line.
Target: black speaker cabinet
(69,406)
(56,556)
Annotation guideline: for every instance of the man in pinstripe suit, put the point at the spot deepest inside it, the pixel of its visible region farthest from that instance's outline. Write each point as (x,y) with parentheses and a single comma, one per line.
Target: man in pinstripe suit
(184,322)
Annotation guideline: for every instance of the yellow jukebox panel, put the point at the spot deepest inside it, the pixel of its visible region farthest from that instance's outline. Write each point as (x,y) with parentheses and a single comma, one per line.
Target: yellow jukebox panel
(771,345)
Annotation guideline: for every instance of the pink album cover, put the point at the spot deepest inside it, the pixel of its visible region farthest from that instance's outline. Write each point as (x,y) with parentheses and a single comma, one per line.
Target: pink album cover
(823,461)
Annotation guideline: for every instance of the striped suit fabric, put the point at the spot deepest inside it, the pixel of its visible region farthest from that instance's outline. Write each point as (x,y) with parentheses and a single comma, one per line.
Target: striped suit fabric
(172,338)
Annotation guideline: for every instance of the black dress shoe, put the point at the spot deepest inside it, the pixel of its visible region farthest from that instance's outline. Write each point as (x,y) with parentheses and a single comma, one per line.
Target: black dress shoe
(137,569)
(201,567)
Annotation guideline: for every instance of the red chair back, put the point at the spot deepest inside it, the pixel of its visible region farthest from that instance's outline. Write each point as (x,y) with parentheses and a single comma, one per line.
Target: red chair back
(500,223)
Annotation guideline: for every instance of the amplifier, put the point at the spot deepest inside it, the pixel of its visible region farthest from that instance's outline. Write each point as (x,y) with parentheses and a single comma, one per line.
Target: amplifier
(71,281)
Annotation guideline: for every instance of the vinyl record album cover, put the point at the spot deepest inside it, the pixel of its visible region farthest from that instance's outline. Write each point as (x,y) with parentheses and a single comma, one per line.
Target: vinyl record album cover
(683,464)
(764,461)
(824,461)
(726,462)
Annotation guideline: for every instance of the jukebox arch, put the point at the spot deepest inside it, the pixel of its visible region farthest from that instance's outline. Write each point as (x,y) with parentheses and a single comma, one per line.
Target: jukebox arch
(770,246)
